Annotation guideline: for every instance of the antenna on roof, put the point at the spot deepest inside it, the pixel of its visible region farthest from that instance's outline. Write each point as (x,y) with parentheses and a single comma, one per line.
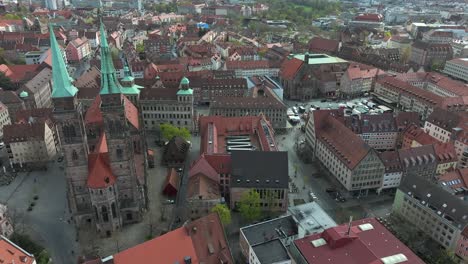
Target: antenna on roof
(349,225)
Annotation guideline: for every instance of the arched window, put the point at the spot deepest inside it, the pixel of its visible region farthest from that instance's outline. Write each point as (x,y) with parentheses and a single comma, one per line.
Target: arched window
(114,211)
(96,212)
(74,155)
(105,214)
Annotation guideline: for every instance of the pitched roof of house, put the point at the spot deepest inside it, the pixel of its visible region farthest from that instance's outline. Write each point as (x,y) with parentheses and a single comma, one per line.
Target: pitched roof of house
(453,207)
(23,132)
(9,97)
(445,152)
(19,73)
(367,242)
(202,166)
(131,112)
(161,248)
(259,169)
(444,119)
(404,119)
(12,253)
(319,45)
(247,64)
(158,94)
(417,156)
(290,67)
(203,186)
(391,161)
(346,145)
(453,179)
(209,240)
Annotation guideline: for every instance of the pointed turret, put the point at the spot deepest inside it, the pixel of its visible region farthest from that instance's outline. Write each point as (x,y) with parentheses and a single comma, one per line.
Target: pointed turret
(109,82)
(62,85)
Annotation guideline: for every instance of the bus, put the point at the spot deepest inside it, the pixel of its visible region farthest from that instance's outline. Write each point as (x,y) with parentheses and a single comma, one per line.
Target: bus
(385,109)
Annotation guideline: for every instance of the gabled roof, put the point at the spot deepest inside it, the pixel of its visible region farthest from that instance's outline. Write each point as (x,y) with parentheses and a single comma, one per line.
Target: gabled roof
(290,67)
(318,45)
(12,253)
(93,114)
(202,186)
(131,113)
(23,132)
(169,248)
(100,174)
(202,166)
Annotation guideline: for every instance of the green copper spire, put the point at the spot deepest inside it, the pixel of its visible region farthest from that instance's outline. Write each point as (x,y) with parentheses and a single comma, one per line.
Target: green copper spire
(62,85)
(109,82)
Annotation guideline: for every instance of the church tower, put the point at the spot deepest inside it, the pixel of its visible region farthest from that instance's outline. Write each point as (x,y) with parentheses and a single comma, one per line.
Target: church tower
(103,147)
(72,138)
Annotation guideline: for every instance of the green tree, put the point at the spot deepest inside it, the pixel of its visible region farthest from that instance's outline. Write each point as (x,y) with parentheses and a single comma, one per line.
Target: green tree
(223,212)
(140,47)
(169,131)
(249,205)
(5,82)
(405,55)
(42,256)
(12,17)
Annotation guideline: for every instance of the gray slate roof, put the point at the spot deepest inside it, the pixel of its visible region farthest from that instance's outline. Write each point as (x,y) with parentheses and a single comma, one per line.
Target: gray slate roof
(260,169)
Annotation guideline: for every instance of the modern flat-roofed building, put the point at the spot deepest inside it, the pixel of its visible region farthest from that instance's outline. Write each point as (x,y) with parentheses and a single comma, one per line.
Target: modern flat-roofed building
(438,213)
(457,68)
(283,229)
(265,172)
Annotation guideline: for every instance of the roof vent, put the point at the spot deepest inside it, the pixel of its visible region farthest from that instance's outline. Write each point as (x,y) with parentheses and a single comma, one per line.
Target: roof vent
(366,227)
(318,242)
(188,260)
(394,259)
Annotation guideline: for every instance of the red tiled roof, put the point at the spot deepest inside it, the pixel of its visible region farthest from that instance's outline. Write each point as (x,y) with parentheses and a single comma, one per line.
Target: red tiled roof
(23,132)
(12,253)
(357,247)
(289,68)
(320,45)
(100,174)
(222,163)
(247,64)
(445,152)
(19,73)
(369,17)
(169,248)
(459,175)
(355,72)
(201,185)
(201,166)
(93,114)
(131,112)
(209,240)
(346,145)
(172,182)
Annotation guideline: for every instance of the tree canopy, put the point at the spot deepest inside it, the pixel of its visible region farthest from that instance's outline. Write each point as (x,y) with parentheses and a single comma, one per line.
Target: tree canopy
(223,212)
(249,205)
(169,131)
(140,47)
(5,82)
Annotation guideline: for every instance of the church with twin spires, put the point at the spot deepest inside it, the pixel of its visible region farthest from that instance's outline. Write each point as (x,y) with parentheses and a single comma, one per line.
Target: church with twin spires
(103,147)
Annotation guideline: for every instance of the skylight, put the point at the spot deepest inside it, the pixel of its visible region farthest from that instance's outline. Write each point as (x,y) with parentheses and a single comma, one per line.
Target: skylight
(394,259)
(365,227)
(318,242)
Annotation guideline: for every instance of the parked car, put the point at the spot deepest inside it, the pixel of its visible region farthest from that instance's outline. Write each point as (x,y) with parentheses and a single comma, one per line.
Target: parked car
(312,196)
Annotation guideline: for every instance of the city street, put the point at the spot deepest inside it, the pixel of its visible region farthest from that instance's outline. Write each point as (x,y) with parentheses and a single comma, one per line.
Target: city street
(47,223)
